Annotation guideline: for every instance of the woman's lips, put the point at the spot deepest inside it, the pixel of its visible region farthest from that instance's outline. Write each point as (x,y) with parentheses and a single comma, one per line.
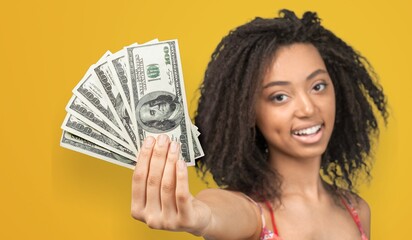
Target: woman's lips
(309,135)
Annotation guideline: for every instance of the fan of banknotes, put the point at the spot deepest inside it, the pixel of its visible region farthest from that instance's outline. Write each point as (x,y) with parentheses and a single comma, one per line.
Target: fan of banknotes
(127,96)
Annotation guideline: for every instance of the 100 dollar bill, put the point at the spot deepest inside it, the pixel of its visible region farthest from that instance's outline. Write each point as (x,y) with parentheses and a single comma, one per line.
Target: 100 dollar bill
(79,128)
(80,110)
(118,64)
(159,95)
(89,92)
(78,144)
(105,81)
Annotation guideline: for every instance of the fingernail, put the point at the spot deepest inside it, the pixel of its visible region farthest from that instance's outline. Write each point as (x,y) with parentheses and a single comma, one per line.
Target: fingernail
(149,142)
(162,139)
(173,147)
(181,164)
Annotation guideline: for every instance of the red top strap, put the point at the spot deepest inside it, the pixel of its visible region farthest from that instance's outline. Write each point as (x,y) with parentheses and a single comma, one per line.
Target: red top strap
(272,216)
(354,214)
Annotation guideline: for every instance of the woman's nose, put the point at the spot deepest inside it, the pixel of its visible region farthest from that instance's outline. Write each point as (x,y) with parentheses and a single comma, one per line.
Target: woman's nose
(305,106)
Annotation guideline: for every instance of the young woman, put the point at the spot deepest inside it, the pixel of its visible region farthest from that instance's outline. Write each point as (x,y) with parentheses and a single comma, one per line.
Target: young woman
(287,117)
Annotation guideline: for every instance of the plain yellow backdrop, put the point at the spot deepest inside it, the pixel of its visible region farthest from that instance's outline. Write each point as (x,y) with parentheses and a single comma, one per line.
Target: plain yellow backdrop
(48,192)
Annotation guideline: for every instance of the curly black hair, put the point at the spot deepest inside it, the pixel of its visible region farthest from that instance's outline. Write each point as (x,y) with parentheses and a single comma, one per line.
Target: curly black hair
(235,150)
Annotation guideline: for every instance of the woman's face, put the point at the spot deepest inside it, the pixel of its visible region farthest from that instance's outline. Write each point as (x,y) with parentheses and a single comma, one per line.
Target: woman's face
(296,107)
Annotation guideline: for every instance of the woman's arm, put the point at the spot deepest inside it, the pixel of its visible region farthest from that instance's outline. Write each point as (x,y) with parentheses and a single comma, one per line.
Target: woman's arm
(233,215)
(161,198)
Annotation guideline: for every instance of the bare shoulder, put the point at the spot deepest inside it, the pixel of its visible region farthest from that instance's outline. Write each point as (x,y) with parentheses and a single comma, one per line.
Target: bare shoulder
(363,210)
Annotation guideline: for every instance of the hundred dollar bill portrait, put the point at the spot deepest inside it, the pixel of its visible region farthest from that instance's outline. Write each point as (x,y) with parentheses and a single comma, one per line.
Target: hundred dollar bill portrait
(159,112)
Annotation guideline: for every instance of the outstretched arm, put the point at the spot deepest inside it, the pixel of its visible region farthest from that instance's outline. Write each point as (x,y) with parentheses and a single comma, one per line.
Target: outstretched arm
(161,198)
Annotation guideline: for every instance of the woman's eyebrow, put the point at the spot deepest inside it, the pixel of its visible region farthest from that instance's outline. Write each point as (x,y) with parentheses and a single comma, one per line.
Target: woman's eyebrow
(315,73)
(282,83)
(276,83)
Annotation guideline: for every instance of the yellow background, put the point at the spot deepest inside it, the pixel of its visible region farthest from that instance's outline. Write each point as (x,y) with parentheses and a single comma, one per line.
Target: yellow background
(48,192)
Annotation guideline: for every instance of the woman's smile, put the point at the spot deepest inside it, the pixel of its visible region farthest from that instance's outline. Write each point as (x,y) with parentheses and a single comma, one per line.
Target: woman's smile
(309,135)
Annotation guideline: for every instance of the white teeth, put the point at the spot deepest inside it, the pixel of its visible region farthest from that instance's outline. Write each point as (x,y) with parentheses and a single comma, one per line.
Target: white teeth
(308,131)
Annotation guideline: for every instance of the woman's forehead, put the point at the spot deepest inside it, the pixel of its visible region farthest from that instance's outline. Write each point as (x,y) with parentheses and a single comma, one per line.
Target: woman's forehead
(298,60)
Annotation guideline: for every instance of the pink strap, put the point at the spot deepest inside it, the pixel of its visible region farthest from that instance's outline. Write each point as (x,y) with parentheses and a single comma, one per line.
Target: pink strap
(266,234)
(354,215)
(272,216)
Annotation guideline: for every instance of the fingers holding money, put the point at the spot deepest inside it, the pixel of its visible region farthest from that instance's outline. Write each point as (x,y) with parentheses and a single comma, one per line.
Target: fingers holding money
(140,177)
(154,182)
(154,178)
(168,185)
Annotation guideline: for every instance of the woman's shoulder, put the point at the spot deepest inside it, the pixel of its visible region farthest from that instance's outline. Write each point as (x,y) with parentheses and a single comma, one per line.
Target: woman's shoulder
(356,201)
(364,212)
(361,207)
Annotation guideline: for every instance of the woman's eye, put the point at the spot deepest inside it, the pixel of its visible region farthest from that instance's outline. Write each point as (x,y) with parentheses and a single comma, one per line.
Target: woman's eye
(279,98)
(152,112)
(319,87)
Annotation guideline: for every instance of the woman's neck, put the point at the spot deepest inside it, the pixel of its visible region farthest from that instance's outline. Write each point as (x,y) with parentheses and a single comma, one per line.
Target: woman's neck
(300,177)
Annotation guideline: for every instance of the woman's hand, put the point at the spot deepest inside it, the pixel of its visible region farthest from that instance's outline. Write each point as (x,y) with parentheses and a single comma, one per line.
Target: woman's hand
(160,190)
